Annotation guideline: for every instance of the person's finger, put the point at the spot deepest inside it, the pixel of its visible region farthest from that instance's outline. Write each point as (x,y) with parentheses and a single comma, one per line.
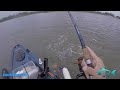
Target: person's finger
(84,68)
(92,53)
(83,63)
(80,59)
(96,59)
(85,71)
(88,71)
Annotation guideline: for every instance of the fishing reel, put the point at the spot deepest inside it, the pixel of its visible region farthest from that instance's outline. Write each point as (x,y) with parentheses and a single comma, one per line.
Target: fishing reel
(81,74)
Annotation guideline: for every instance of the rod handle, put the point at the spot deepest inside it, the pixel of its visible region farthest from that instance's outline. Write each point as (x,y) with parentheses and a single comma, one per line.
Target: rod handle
(86,54)
(88,60)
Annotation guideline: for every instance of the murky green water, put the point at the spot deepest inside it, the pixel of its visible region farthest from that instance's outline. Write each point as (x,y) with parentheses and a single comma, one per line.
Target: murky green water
(52,35)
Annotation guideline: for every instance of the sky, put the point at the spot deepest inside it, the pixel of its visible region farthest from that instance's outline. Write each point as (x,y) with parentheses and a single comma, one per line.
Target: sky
(7,13)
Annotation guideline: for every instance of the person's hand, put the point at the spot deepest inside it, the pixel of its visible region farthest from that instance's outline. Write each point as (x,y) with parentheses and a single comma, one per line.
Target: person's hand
(97,63)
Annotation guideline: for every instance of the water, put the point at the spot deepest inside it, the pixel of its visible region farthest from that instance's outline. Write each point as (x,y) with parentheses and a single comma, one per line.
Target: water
(52,35)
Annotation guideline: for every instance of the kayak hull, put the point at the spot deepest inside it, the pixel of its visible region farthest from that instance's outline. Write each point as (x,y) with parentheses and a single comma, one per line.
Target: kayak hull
(22,58)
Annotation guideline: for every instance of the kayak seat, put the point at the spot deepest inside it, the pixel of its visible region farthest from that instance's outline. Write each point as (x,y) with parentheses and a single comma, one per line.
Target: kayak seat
(29,68)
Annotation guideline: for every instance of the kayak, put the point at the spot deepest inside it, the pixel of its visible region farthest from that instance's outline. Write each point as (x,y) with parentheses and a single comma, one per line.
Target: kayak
(25,65)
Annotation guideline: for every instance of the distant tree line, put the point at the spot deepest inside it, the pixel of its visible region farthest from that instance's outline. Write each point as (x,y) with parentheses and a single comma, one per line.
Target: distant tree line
(20,15)
(35,12)
(104,13)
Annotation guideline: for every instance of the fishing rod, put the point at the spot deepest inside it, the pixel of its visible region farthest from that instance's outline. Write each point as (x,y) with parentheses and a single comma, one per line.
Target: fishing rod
(86,54)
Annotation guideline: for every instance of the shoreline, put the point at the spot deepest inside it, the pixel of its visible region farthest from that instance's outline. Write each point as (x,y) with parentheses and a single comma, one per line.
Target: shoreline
(104,13)
(22,14)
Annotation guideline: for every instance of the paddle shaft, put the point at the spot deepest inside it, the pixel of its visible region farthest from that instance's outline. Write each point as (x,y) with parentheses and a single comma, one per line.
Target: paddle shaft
(85,51)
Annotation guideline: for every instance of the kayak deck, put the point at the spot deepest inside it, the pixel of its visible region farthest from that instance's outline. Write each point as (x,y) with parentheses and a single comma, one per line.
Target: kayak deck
(25,65)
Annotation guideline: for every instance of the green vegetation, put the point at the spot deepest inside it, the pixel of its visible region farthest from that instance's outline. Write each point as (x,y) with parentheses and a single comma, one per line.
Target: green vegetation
(20,15)
(35,12)
(104,13)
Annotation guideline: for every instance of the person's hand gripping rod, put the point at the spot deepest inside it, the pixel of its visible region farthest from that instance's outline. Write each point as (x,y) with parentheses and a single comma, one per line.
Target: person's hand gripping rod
(86,54)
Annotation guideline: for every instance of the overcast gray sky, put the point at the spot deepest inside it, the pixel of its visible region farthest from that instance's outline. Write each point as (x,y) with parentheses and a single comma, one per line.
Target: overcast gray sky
(7,13)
